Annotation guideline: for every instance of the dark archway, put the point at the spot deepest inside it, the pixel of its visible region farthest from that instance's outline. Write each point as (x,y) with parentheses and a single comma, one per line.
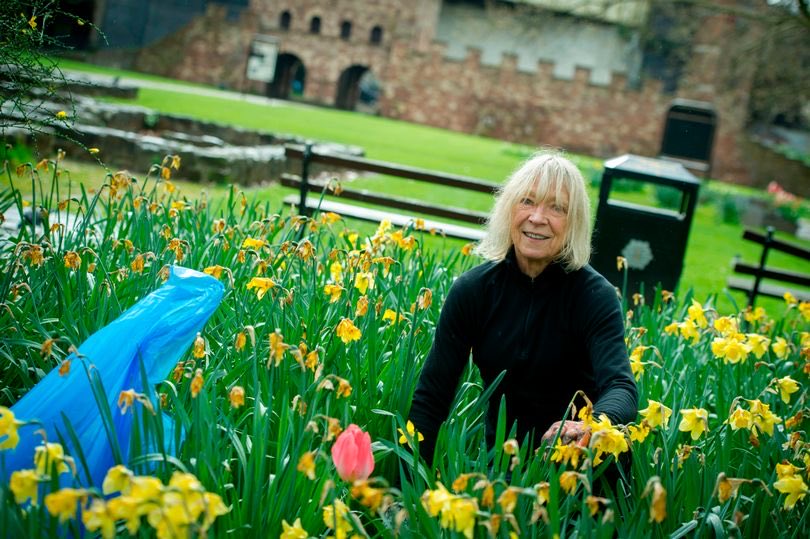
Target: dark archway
(348,88)
(358,89)
(289,79)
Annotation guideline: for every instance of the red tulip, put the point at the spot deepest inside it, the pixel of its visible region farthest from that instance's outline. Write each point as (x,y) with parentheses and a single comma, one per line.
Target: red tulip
(352,454)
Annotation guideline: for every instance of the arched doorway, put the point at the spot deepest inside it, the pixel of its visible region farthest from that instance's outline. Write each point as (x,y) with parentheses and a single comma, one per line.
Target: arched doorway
(358,89)
(289,79)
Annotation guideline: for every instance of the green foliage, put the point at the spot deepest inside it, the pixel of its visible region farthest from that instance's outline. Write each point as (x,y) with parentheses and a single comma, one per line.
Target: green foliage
(249,455)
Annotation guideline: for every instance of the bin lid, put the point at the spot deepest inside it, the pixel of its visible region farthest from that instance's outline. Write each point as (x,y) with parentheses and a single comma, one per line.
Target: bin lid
(649,167)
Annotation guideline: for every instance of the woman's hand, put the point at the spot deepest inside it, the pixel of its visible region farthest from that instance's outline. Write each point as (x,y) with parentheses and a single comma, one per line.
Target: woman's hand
(572,431)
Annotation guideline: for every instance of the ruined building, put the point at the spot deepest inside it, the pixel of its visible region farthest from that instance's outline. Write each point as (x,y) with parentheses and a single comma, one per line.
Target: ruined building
(528,71)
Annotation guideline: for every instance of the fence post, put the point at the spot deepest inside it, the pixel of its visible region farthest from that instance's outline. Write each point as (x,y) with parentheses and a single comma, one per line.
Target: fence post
(302,205)
(762,260)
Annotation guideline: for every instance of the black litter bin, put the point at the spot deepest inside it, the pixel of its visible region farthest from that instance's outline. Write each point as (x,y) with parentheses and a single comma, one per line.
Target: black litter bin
(651,239)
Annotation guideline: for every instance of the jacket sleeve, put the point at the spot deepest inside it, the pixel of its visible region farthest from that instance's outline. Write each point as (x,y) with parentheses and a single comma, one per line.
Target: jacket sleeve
(444,365)
(603,325)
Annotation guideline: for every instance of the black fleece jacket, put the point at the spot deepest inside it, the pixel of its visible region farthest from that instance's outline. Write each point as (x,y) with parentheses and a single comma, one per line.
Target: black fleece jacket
(553,335)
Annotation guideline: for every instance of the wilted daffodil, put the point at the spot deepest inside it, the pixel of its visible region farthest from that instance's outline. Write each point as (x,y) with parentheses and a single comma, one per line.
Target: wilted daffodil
(347,331)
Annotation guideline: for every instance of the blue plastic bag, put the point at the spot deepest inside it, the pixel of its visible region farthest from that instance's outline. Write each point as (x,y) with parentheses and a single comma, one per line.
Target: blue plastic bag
(155,331)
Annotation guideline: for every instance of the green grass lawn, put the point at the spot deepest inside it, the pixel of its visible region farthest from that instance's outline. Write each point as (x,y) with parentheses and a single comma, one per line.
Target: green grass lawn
(712,243)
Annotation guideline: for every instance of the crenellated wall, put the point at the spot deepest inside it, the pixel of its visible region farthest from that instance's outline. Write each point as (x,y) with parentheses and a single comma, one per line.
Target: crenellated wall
(584,99)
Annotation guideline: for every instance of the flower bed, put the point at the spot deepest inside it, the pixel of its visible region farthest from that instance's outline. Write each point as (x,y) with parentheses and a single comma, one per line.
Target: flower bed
(310,362)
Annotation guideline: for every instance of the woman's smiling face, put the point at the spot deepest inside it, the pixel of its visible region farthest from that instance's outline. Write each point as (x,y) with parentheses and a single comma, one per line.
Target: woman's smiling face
(538,230)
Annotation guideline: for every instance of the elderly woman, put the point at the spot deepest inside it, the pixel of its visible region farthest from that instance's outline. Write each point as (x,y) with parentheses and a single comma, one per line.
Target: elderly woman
(536,310)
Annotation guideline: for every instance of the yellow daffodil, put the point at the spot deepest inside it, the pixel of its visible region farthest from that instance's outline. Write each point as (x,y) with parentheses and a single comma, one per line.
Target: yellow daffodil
(567,453)
(24,485)
(344,389)
(795,488)
(294,531)
(392,316)
(725,325)
(277,347)
(639,433)
(689,330)
(568,481)
(118,479)
(672,328)
(363,281)
(336,517)
(727,487)
(367,495)
(658,505)
(237,396)
(137,263)
(740,419)
(362,306)
(333,291)
(543,490)
(253,243)
(696,314)
(198,350)
(98,517)
(785,469)
(656,414)
(347,331)
(695,421)
(240,340)
(510,446)
(424,299)
(197,383)
(790,299)
(214,271)
(763,418)
(336,271)
(754,315)
(48,455)
(759,344)
(262,285)
(64,503)
(72,260)
(804,308)
(9,438)
(508,499)
(306,464)
(780,347)
(787,386)
(412,433)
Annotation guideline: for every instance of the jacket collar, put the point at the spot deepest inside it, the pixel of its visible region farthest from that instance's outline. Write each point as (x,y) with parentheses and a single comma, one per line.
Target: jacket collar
(550,274)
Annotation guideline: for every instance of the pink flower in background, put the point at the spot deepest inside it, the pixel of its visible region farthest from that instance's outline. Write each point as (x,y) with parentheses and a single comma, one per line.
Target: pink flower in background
(781,196)
(352,454)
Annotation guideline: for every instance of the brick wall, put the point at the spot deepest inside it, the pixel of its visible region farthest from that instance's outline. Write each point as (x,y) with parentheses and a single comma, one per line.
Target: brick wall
(420,84)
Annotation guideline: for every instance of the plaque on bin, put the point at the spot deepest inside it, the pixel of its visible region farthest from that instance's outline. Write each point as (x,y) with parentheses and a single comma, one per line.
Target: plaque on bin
(651,239)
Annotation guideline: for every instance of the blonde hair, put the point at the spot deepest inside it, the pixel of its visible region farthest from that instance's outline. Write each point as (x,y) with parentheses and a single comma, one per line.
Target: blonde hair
(550,174)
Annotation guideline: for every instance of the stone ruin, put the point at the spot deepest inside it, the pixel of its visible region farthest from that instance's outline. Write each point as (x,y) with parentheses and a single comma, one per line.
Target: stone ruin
(137,137)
